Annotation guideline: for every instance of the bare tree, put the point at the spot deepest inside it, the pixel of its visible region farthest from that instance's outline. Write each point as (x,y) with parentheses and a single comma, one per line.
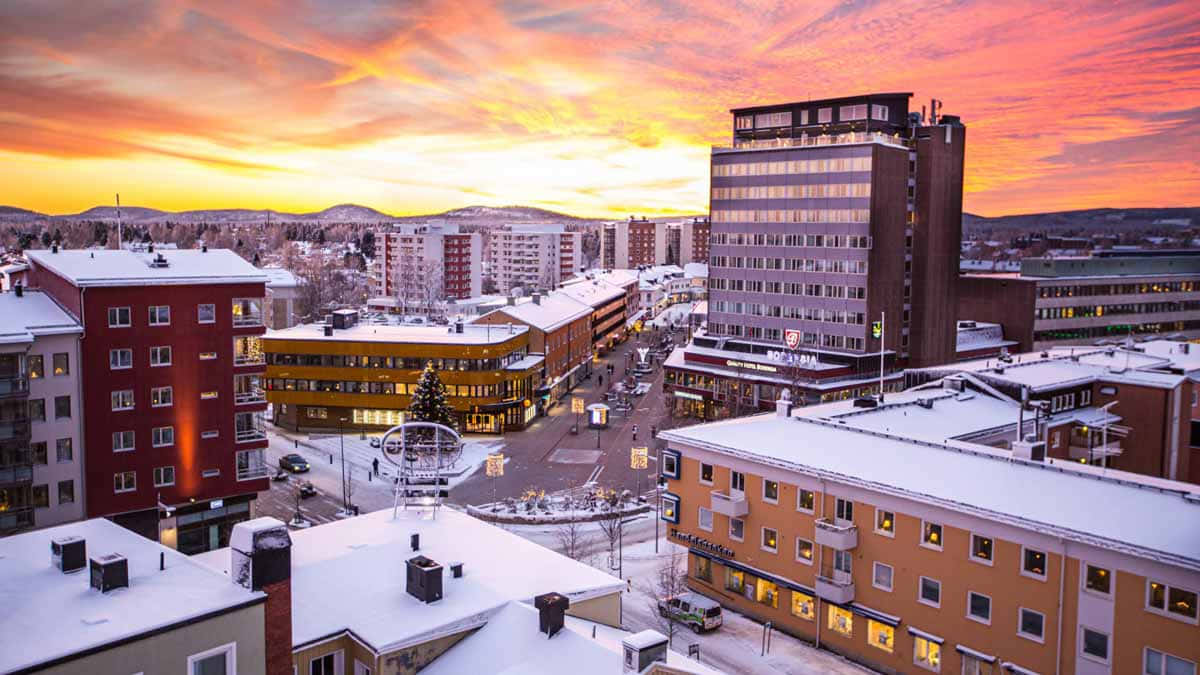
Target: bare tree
(669,580)
(572,539)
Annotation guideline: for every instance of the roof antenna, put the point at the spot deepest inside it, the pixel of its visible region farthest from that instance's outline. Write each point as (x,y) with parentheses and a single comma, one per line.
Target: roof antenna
(118,221)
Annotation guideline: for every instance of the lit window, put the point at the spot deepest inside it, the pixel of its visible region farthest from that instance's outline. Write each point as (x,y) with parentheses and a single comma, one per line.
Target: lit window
(882,578)
(979,607)
(736,529)
(840,620)
(804,551)
(706,474)
(207,356)
(767,593)
(735,580)
(881,635)
(122,400)
(1098,580)
(803,606)
(805,500)
(930,592)
(703,568)
(1033,563)
(981,549)
(927,653)
(770,491)
(161,397)
(1031,624)
(208,395)
(62,363)
(1171,600)
(885,522)
(931,535)
(670,508)
(770,540)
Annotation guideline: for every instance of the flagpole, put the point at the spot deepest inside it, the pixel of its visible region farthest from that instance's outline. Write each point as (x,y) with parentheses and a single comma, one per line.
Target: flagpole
(882,336)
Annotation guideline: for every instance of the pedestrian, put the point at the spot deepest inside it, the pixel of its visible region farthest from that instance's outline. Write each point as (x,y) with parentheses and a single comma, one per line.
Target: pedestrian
(375,466)
(635,432)
(600,382)
(653,431)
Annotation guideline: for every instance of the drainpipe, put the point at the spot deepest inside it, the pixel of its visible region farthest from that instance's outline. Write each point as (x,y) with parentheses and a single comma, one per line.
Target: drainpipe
(1062,575)
(820,561)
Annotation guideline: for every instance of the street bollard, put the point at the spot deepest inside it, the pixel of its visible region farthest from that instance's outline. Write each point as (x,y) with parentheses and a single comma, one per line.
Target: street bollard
(296,441)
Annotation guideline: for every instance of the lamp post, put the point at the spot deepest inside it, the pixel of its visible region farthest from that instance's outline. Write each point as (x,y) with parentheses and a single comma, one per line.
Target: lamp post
(495,469)
(576,407)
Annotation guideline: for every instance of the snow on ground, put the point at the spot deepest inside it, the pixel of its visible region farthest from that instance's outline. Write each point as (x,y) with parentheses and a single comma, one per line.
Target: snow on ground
(735,647)
(677,314)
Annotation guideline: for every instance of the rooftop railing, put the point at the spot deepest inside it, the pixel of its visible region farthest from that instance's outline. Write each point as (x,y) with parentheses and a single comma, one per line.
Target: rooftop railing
(854,138)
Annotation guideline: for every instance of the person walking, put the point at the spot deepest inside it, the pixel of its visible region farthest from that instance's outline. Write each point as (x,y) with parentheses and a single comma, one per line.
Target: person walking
(375,466)
(635,432)
(600,382)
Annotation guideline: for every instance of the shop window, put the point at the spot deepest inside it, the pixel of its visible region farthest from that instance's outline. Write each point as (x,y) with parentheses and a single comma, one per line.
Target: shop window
(803,606)
(767,593)
(703,569)
(881,636)
(927,653)
(735,580)
(840,620)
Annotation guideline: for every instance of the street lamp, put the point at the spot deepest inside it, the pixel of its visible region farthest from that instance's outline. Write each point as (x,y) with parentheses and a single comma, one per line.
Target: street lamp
(495,469)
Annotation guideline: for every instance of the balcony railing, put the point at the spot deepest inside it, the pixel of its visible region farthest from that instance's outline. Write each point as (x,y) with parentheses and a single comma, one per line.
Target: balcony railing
(14,386)
(15,519)
(247,435)
(251,465)
(732,504)
(255,395)
(1111,449)
(835,588)
(14,429)
(854,138)
(842,537)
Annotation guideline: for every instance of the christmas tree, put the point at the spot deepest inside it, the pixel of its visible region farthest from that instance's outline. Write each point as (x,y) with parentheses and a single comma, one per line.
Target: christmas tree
(429,400)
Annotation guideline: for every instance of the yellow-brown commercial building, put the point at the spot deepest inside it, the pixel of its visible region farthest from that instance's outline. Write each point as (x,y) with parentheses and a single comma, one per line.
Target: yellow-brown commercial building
(363,376)
(913,556)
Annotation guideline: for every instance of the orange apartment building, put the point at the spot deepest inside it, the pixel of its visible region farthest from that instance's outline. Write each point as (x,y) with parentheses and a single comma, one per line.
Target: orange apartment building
(912,555)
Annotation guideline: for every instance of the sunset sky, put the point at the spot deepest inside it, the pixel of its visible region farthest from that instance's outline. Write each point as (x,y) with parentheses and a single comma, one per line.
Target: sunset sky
(595,109)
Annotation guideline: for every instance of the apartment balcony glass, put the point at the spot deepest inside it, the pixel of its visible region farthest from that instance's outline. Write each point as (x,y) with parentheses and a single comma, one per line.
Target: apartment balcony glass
(251,464)
(248,427)
(247,311)
(247,351)
(248,389)
(732,503)
(13,376)
(16,465)
(839,536)
(835,585)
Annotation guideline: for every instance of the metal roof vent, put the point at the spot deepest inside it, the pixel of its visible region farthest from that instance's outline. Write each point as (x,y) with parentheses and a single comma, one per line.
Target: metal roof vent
(68,554)
(110,572)
(159,261)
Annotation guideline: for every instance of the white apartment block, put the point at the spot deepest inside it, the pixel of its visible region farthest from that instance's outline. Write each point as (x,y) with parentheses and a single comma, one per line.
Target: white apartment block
(427,261)
(41,445)
(534,257)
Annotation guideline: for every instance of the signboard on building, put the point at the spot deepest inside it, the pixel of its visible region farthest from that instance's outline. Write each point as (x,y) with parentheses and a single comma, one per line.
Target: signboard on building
(791,338)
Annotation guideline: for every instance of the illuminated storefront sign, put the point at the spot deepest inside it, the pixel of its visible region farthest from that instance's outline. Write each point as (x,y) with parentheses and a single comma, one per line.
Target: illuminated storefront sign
(702,543)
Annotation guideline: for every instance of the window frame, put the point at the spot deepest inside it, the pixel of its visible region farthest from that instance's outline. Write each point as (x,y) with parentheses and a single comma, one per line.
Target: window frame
(974,617)
(743,535)
(1162,659)
(121,434)
(989,562)
(672,457)
(711,474)
(170,393)
(156,434)
(885,533)
(1083,580)
(1165,611)
(1034,575)
(812,495)
(118,352)
(153,310)
(1085,654)
(917,640)
(157,349)
(700,518)
(230,651)
(66,363)
(159,471)
(734,475)
(891,576)
(132,400)
(812,549)
(1040,639)
(213,305)
(941,536)
(128,317)
(843,506)
(124,490)
(57,415)
(921,592)
(762,540)
(767,499)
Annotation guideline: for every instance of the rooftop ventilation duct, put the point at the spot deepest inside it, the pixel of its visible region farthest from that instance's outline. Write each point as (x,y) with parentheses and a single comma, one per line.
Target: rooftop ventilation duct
(68,554)
(110,572)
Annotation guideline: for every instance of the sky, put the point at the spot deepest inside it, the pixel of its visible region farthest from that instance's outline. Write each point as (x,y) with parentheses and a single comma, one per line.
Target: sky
(594,109)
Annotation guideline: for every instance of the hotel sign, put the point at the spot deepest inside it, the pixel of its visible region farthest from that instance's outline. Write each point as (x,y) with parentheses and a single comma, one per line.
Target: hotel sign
(705,544)
(750,365)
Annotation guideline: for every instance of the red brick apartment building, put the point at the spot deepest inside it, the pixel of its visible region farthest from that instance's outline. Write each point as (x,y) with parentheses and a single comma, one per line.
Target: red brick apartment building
(173,402)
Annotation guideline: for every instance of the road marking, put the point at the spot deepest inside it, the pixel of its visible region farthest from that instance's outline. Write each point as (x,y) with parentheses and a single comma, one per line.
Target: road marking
(595,473)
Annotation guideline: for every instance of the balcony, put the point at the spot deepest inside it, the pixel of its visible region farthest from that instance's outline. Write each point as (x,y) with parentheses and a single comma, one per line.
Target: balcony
(834,589)
(247,312)
(14,519)
(732,504)
(854,138)
(838,536)
(1095,452)
(13,386)
(248,389)
(256,395)
(251,465)
(249,427)
(14,430)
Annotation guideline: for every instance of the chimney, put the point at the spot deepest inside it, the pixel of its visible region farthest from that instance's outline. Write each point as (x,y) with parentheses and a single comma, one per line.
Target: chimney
(424,580)
(328,331)
(642,649)
(261,560)
(204,248)
(19,290)
(1031,449)
(68,554)
(783,407)
(415,541)
(54,248)
(551,607)
(537,298)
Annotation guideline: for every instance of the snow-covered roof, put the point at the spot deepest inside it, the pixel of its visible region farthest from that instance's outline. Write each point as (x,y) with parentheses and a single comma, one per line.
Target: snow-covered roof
(472,334)
(1066,366)
(278,277)
(350,575)
(1173,352)
(32,315)
(105,267)
(550,312)
(593,293)
(49,615)
(695,270)
(526,362)
(1112,509)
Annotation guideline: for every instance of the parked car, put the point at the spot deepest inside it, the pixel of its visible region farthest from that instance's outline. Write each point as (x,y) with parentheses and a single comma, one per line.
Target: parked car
(374,442)
(294,463)
(693,610)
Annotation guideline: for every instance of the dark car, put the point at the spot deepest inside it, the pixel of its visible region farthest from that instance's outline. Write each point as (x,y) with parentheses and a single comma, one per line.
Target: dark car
(294,463)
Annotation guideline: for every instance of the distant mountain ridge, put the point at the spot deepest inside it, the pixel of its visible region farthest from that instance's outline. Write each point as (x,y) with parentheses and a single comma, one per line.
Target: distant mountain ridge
(341,213)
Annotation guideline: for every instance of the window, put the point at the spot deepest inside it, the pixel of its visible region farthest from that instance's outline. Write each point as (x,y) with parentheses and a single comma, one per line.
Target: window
(1159,663)
(63,450)
(882,577)
(160,356)
(40,496)
(122,441)
(927,653)
(931,535)
(881,635)
(885,522)
(979,607)
(62,364)
(735,580)
(1093,644)
(705,519)
(160,397)
(706,474)
(122,400)
(1171,600)
(37,367)
(118,317)
(669,508)
(208,395)
(208,356)
(767,593)
(1033,563)
(125,481)
(736,529)
(66,492)
(879,112)
(37,410)
(1031,624)
(737,481)
(930,592)
(803,606)
(361,668)
(164,476)
(38,451)
(770,540)
(120,359)
(160,315)
(703,569)
(206,313)
(805,500)
(770,491)
(844,511)
(981,549)
(670,464)
(219,661)
(162,436)
(62,407)
(843,562)
(840,620)
(825,116)
(804,551)
(852,112)
(1097,579)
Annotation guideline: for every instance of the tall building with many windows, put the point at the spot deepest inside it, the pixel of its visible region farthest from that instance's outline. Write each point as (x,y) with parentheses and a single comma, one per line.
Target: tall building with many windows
(534,256)
(421,263)
(171,372)
(831,215)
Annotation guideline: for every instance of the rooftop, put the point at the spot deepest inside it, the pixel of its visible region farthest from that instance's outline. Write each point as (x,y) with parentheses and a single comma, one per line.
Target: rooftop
(1105,508)
(49,615)
(1064,366)
(105,267)
(277,277)
(350,575)
(472,334)
(824,101)
(32,315)
(550,312)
